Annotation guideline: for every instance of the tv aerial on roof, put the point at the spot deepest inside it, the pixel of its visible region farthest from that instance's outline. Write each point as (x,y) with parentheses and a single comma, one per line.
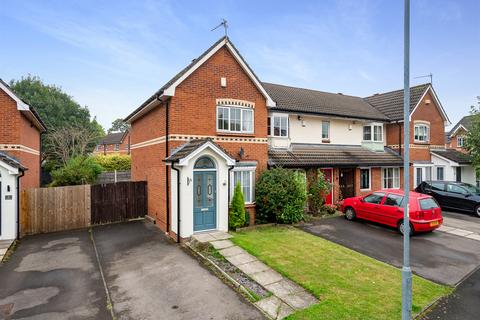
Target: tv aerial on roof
(430,75)
(224,24)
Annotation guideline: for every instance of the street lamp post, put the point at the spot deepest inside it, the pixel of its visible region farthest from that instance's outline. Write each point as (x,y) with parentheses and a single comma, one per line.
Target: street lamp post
(406,271)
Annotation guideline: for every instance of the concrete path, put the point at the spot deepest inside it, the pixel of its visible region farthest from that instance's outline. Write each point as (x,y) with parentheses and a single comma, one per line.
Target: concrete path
(4,245)
(287,296)
(57,276)
(461,224)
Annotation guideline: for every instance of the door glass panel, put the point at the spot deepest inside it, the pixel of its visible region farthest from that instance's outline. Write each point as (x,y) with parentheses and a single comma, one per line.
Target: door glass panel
(374,198)
(394,200)
(210,191)
(198,191)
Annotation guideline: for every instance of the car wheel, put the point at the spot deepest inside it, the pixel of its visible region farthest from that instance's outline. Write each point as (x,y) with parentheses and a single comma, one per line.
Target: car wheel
(350,214)
(477,211)
(401,228)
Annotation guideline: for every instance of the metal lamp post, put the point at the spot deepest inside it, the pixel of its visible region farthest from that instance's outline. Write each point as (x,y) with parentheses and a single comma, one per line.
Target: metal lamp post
(406,271)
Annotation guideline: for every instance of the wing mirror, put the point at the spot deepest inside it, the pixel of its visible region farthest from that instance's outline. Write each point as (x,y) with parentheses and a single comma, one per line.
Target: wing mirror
(361,200)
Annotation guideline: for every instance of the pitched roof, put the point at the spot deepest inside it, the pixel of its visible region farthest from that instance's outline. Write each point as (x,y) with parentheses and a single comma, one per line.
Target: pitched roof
(454,155)
(113,138)
(313,155)
(318,102)
(28,111)
(189,147)
(466,122)
(192,67)
(12,161)
(391,103)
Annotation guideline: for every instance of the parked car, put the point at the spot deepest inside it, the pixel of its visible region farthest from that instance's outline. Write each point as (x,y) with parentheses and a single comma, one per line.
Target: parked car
(386,207)
(453,195)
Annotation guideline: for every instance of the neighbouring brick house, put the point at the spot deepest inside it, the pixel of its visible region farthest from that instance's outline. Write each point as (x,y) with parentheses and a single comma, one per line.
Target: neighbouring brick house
(115,142)
(216,124)
(21,128)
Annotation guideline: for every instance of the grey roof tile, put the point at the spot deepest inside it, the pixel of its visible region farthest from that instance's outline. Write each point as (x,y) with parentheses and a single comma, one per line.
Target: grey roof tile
(294,99)
(466,122)
(454,155)
(315,155)
(189,147)
(12,161)
(113,138)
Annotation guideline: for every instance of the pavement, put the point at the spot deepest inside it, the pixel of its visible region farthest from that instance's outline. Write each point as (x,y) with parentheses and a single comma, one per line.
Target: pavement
(441,257)
(58,276)
(287,296)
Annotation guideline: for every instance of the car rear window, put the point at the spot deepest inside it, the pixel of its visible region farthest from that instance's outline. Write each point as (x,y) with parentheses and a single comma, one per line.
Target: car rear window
(428,203)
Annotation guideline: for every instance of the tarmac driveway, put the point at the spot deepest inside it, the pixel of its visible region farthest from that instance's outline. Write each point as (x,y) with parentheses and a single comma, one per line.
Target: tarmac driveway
(438,256)
(57,276)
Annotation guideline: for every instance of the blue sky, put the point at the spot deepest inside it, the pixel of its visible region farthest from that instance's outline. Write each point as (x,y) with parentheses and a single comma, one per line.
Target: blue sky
(112,55)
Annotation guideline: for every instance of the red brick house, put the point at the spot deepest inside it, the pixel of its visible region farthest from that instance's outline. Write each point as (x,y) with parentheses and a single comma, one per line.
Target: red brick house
(21,128)
(216,124)
(114,143)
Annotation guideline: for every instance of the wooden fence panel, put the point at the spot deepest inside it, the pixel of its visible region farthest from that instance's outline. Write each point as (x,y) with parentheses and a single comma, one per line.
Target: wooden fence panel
(54,209)
(118,201)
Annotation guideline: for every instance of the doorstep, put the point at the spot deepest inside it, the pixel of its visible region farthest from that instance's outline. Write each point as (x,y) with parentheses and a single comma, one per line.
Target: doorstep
(4,245)
(287,296)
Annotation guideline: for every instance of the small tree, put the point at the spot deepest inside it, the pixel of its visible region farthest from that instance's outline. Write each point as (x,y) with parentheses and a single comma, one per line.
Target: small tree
(280,196)
(237,211)
(319,188)
(78,170)
(113,162)
(473,138)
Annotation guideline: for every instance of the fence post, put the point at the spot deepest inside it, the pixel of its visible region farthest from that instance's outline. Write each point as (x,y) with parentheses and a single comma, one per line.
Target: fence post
(115,176)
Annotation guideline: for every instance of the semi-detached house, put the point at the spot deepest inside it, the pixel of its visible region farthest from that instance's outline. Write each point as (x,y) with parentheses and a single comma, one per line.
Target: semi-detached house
(215,124)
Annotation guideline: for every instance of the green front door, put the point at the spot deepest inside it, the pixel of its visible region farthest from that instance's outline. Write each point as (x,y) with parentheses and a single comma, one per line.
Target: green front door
(204,200)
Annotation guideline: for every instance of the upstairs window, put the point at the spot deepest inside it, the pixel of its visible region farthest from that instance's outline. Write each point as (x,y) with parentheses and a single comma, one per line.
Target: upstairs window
(461,141)
(422,133)
(232,119)
(325,130)
(373,132)
(278,125)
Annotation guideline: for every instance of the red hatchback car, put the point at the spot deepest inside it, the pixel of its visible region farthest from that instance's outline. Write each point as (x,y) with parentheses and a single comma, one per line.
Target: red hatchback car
(386,207)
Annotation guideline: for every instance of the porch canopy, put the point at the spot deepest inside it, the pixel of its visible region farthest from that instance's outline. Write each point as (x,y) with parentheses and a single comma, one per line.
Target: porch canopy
(459,158)
(321,155)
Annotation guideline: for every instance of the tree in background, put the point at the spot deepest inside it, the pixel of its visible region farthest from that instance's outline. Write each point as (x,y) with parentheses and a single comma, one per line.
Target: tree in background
(473,137)
(61,114)
(118,125)
(237,211)
(78,170)
(113,162)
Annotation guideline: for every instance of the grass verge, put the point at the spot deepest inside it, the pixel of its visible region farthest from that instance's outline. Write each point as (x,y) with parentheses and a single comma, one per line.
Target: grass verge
(349,285)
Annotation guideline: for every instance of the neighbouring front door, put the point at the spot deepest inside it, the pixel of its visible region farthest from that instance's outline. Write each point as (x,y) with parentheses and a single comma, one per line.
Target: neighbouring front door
(347,182)
(204,200)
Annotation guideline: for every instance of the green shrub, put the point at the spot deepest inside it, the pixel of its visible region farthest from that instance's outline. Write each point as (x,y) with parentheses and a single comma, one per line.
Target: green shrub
(78,170)
(237,211)
(114,162)
(318,189)
(280,196)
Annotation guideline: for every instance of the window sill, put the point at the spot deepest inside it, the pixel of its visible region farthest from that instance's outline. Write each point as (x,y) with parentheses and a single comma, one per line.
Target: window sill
(325,140)
(364,190)
(235,134)
(421,142)
(277,137)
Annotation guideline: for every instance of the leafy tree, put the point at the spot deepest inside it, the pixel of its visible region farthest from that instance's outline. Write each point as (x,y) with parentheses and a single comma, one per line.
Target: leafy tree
(78,170)
(58,110)
(473,138)
(114,161)
(237,211)
(118,125)
(280,196)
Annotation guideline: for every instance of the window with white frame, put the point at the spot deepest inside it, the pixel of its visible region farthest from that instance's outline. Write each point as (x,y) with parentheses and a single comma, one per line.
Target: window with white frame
(391,178)
(421,132)
(325,130)
(440,173)
(278,125)
(246,179)
(373,132)
(461,141)
(365,178)
(116,147)
(233,119)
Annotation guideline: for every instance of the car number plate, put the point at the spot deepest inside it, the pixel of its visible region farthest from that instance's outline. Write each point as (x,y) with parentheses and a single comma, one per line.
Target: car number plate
(434,223)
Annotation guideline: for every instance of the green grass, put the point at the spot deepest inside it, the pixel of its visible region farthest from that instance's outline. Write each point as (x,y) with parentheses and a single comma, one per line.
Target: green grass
(349,285)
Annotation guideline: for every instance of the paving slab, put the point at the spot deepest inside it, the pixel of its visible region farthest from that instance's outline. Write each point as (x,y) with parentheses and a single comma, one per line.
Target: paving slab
(274,307)
(203,237)
(445,228)
(253,267)
(300,300)
(474,236)
(460,232)
(241,259)
(222,244)
(232,251)
(267,277)
(284,288)
(221,235)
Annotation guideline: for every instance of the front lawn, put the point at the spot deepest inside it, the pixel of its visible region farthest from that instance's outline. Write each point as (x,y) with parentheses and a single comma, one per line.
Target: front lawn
(349,285)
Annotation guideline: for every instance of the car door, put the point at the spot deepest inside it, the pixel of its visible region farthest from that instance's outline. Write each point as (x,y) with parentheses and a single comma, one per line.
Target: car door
(390,209)
(437,190)
(457,197)
(369,205)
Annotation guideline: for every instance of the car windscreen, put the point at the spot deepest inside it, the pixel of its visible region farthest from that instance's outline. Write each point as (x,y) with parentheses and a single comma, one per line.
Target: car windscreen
(428,203)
